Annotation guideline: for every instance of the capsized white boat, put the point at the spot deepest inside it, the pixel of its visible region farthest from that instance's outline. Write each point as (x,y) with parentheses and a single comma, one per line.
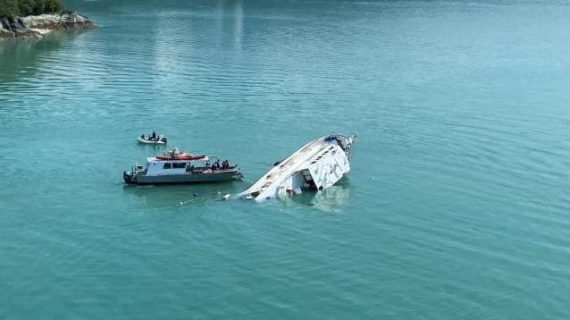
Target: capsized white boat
(316,166)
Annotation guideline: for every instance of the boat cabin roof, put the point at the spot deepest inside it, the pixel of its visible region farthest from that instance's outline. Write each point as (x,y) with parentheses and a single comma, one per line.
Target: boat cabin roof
(155,159)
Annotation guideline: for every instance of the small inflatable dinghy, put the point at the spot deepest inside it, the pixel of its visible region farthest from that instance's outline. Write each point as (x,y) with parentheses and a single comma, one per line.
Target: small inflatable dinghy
(160,140)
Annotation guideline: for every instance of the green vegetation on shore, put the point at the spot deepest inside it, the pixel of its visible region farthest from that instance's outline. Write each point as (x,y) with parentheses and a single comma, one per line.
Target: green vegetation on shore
(13,8)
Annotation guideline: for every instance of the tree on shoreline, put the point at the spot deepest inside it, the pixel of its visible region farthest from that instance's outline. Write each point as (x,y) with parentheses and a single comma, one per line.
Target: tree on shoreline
(13,8)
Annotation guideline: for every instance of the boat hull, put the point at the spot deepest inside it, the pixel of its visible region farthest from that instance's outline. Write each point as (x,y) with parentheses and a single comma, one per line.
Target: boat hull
(144,141)
(188,178)
(317,165)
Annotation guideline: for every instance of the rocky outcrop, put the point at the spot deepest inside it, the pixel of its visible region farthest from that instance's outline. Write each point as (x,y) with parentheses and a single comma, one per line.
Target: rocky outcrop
(15,27)
(37,26)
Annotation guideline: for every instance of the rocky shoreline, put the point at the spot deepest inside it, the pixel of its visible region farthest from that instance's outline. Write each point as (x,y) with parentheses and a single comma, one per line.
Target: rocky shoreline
(38,26)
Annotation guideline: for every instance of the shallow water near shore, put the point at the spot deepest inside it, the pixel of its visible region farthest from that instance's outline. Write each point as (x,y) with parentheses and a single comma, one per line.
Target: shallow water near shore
(456,206)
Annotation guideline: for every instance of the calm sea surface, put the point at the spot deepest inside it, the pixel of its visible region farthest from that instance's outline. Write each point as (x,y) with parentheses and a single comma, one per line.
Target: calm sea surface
(456,207)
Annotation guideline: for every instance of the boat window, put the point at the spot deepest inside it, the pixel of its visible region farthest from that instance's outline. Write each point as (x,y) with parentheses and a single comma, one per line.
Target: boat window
(167,165)
(181,165)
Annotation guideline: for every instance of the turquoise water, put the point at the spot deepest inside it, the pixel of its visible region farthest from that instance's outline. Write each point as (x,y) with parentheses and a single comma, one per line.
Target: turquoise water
(456,207)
